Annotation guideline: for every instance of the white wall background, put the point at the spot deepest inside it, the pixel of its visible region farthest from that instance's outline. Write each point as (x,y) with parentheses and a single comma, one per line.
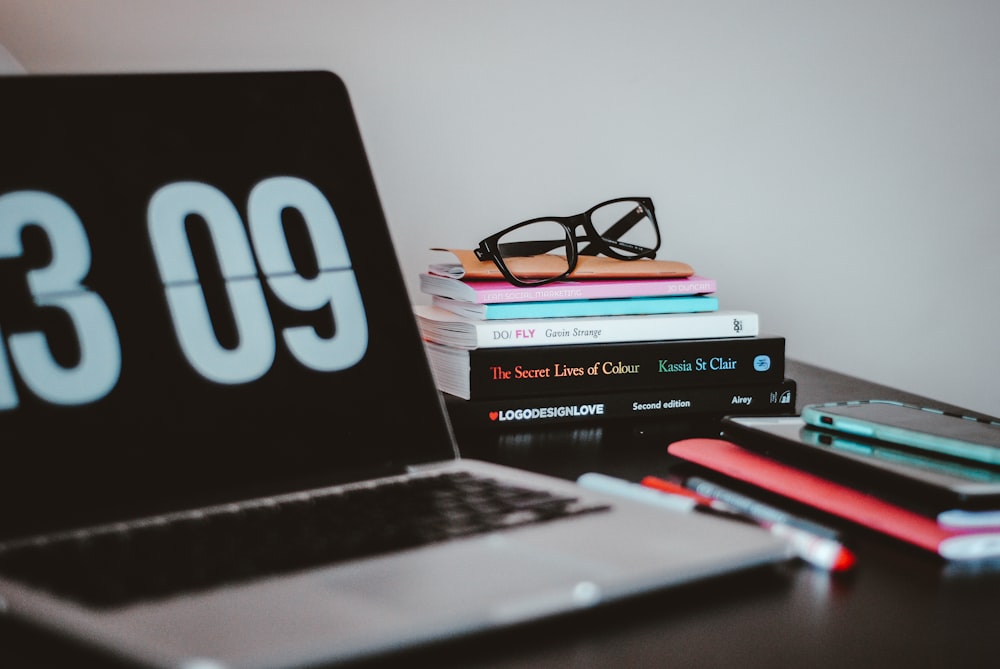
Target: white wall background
(835,165)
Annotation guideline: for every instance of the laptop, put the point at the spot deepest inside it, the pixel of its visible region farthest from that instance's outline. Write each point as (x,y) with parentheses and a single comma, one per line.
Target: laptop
(204,338)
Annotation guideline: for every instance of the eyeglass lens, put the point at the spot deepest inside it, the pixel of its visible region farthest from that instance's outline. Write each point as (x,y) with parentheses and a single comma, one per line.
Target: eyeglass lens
(549,238)
(626,222)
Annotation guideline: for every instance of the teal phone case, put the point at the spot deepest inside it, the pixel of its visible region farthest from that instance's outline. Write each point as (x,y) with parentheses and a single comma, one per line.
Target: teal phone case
(910,425)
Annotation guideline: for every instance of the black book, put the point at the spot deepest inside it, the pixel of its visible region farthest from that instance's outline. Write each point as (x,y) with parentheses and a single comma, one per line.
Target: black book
(532,371)
(756,399)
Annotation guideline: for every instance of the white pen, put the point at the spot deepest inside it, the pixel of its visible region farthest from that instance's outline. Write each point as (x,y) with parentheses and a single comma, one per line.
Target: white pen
(634,491)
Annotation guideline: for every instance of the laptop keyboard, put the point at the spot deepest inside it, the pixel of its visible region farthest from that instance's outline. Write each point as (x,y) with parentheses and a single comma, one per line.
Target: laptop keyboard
(119,565)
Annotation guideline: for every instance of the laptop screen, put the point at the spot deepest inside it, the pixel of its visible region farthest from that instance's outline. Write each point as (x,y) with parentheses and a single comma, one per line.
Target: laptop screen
(200,298)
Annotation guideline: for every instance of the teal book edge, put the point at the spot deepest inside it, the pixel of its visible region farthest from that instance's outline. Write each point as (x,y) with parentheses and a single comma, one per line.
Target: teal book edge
(570,308)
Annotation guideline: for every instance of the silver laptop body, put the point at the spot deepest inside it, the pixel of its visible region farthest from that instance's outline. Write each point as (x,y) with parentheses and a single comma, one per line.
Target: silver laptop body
(203,314)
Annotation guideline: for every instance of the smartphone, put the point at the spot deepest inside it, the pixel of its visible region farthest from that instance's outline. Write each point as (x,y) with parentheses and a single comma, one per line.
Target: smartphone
(910,425)
(936,481)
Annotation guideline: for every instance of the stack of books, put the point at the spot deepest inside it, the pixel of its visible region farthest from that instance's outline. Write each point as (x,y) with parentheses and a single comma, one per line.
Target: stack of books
(579,350)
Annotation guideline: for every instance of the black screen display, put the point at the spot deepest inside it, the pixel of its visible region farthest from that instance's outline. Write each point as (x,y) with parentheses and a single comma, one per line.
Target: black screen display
(200,296)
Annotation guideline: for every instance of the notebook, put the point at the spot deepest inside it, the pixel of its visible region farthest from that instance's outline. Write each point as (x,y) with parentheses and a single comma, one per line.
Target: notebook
(204,326)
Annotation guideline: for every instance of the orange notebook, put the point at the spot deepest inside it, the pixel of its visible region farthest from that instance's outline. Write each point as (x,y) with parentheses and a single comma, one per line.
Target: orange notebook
(540,266)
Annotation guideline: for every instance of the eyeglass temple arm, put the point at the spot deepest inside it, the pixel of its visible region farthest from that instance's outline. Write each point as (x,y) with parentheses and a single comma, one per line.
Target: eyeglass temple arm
(612,234)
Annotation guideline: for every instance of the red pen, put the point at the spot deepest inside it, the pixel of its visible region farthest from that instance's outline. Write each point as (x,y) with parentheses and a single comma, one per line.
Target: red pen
(677,489)
(824,552)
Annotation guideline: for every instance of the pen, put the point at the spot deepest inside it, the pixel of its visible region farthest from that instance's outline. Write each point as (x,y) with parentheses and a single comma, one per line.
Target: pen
(757,510)
(677,489)
(621,488)
(822,552)
(814,543)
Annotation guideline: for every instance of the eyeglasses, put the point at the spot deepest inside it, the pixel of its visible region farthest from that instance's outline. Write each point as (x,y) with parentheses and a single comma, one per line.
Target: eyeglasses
(624,228)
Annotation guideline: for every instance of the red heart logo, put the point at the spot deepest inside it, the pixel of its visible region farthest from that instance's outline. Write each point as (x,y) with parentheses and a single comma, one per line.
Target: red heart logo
(494,415)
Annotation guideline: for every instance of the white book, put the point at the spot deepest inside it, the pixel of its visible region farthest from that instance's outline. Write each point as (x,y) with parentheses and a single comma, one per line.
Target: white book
(443,327)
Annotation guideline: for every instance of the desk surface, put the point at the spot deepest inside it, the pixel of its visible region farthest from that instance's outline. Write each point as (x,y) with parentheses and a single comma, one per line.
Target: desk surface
(899,607)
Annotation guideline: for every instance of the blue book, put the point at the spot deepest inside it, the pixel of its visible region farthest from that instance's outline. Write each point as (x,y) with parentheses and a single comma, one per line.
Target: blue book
(675,304)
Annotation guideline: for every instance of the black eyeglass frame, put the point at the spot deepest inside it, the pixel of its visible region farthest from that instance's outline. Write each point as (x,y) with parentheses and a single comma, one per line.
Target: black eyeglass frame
(489,248)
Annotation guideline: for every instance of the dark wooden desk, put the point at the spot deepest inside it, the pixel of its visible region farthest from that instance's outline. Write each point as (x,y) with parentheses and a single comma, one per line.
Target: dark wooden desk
(899,607)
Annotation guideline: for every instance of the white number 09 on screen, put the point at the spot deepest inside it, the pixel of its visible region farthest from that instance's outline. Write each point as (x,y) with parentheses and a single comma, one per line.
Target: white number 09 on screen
(60,285)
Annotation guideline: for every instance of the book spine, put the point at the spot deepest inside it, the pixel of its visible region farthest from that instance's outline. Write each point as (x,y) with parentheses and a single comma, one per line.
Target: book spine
(493,292)
(580,368)
(608,307)
(595,329)
(596,290)
(756,399)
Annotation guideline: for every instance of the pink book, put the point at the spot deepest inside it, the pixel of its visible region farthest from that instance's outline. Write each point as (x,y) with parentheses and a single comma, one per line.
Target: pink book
(493,292)
(872,512)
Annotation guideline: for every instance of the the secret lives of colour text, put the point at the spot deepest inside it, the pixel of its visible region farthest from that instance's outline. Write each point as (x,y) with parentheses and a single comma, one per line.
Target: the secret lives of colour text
(611,368)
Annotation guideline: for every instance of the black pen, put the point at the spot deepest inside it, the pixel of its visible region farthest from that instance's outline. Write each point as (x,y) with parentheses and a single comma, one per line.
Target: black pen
(757,510)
